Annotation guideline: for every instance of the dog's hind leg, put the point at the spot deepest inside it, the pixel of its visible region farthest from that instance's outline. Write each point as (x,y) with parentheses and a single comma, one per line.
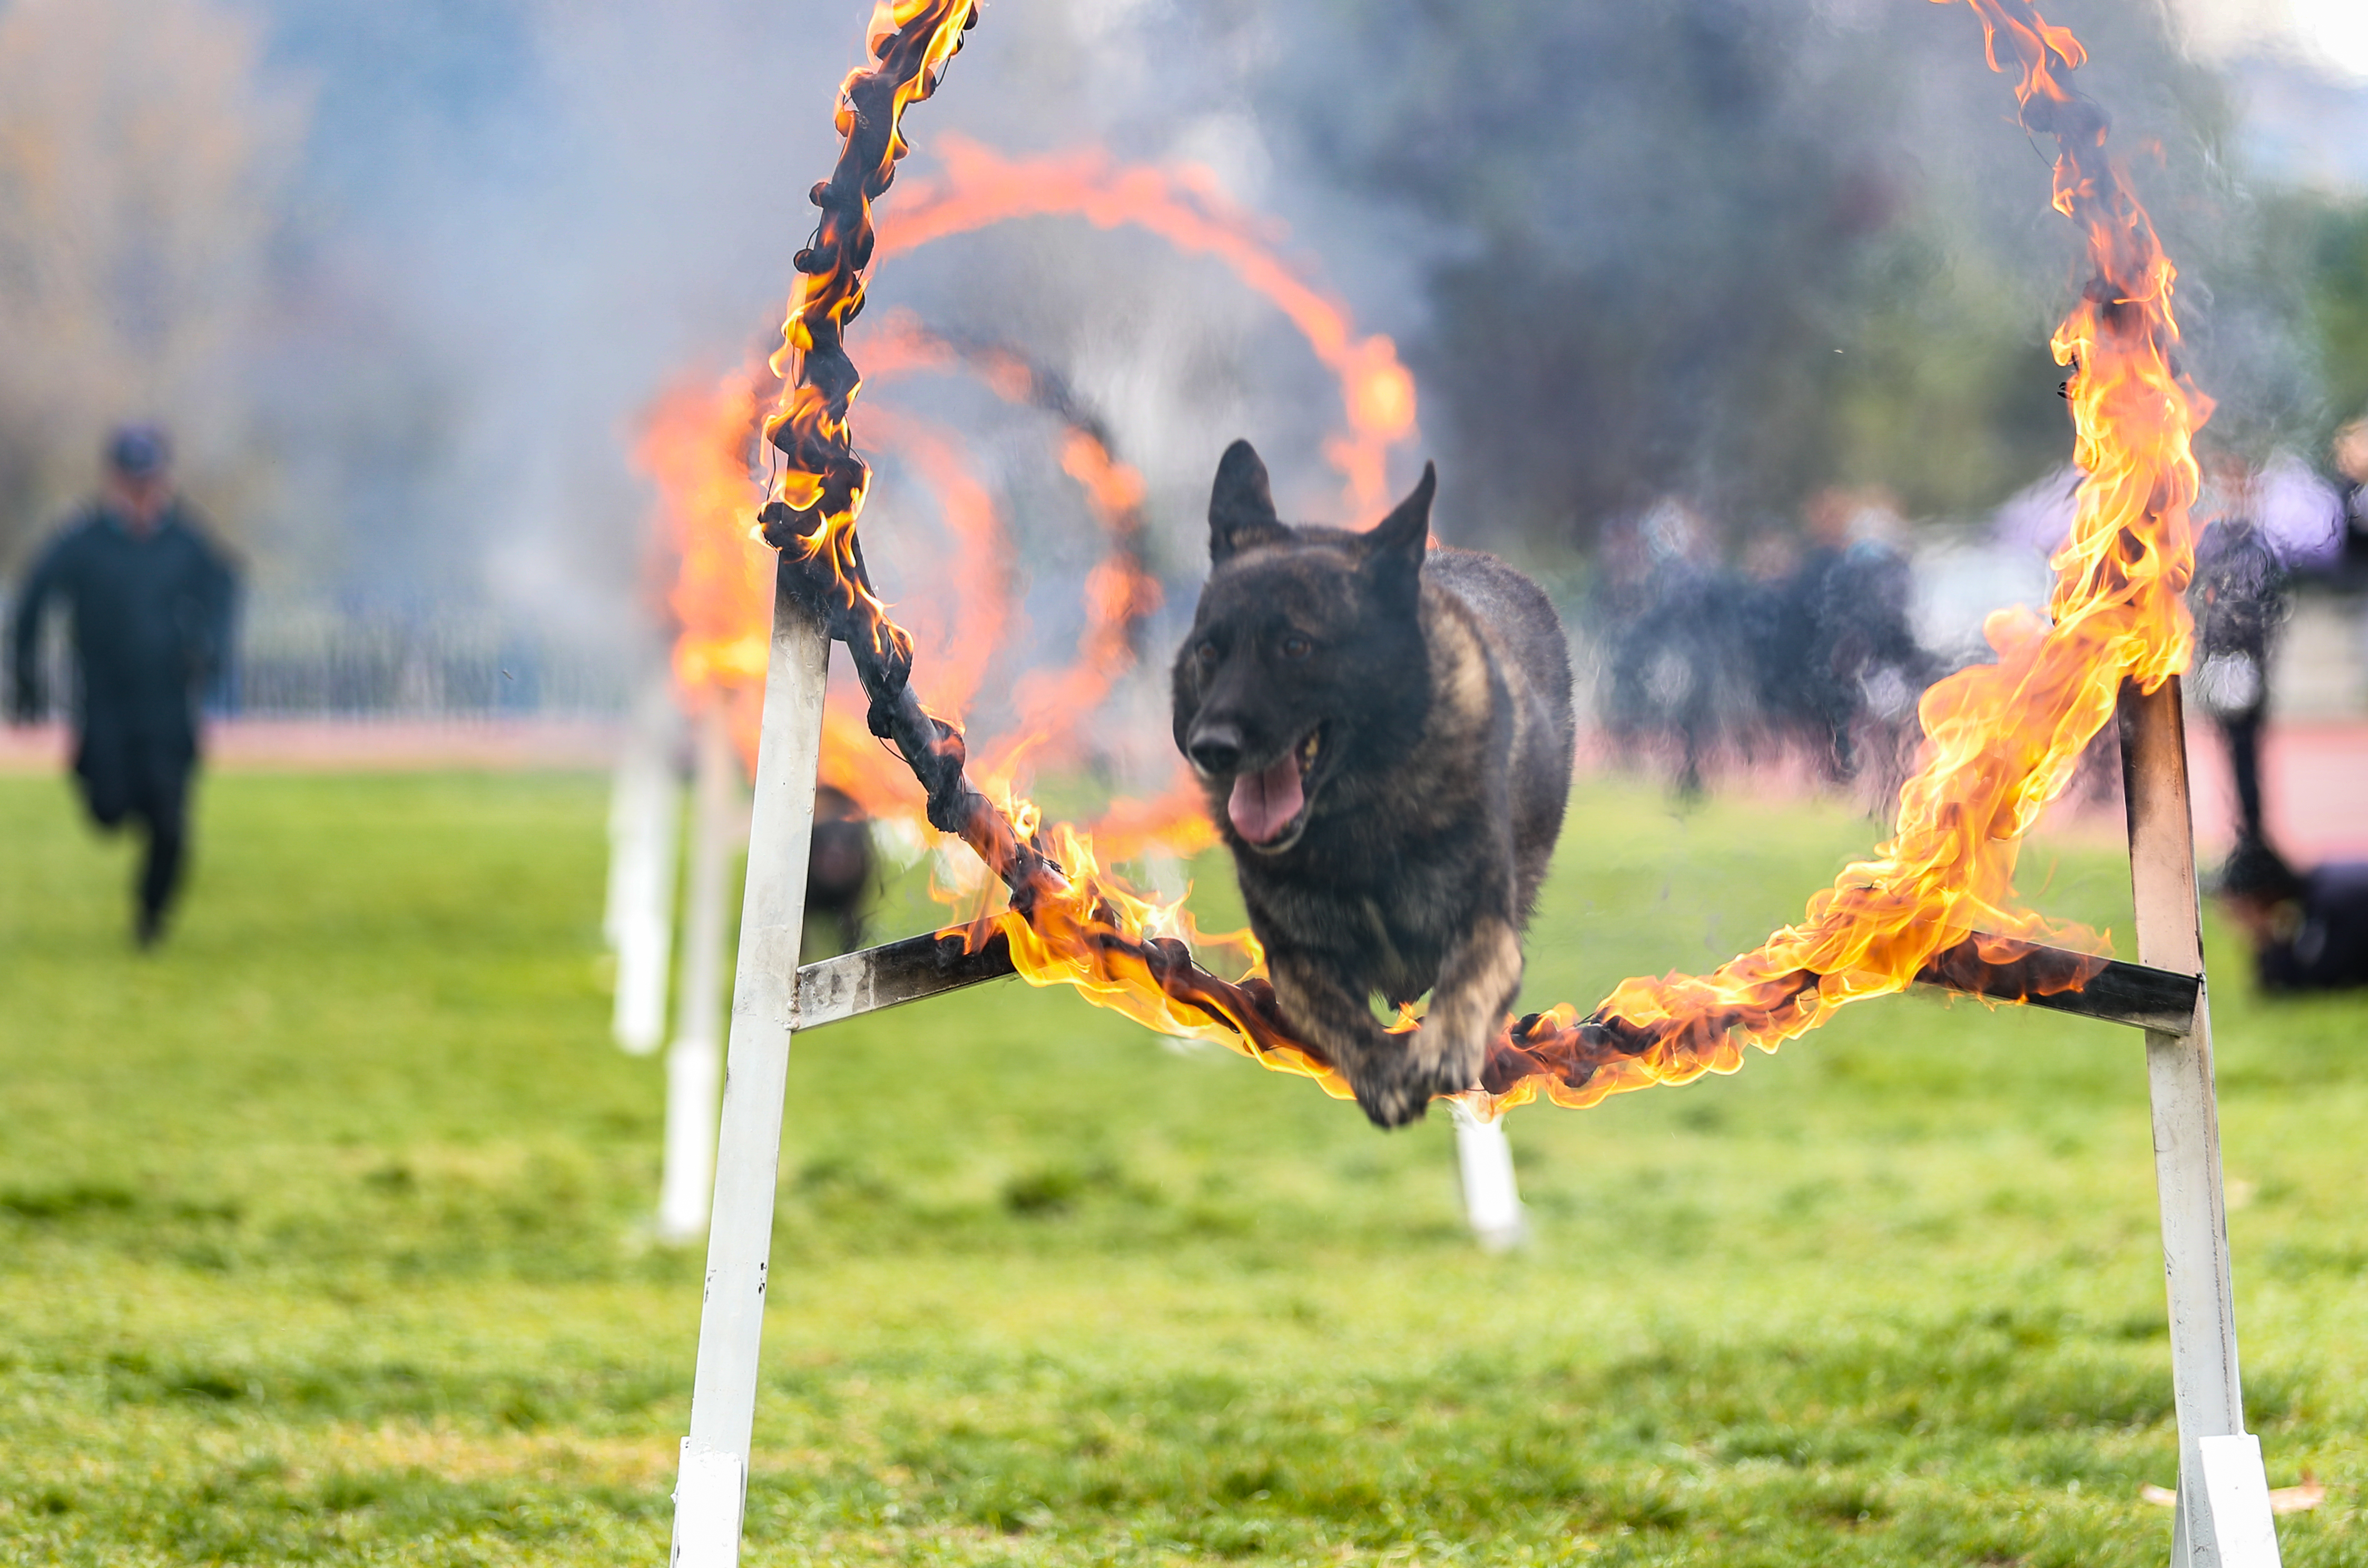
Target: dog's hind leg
(1477,982)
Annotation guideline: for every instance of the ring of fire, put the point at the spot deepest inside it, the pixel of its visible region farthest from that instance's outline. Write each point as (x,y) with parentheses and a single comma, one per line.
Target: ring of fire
(2001,739)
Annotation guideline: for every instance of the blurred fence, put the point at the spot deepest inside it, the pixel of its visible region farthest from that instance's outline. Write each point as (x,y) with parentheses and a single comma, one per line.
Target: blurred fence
(289,664)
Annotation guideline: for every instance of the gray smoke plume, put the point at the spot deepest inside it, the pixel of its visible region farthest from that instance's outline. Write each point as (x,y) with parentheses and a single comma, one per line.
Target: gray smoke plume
(404,277)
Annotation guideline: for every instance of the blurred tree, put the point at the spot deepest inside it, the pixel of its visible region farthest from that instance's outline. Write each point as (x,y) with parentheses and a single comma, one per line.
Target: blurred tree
(141,166)
(2330,235)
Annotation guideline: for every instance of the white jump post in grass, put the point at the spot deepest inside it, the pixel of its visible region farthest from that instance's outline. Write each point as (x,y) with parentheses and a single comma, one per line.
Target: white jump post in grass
(2223,1518)
(695,1060)
(1492,1198)
(712,1488)
(644,820)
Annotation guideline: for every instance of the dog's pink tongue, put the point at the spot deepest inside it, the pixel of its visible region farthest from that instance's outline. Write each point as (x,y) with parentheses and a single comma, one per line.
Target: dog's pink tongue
(1264,803)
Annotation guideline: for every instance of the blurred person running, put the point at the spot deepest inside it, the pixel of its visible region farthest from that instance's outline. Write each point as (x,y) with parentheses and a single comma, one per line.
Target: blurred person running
(150,596)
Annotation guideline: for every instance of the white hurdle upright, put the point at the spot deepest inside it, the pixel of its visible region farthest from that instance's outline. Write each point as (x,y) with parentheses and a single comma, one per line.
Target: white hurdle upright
(695,1060)
(644,820)
(712,1488)
(2223,1518)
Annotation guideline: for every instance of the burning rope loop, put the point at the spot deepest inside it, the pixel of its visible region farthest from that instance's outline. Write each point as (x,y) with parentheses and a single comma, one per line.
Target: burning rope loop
(812,514)
(2001,738)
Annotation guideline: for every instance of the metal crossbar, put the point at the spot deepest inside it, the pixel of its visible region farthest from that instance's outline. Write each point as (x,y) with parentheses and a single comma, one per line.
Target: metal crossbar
(917,968)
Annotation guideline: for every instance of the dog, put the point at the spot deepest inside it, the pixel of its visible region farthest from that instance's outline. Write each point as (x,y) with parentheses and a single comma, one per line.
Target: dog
(1384,733)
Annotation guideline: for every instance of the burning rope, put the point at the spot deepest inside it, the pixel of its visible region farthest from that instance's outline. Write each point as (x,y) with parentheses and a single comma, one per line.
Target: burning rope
(817,496)
(2002,739)
(1095,937)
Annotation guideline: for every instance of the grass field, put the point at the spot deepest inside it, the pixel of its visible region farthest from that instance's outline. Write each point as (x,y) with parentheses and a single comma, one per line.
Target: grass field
(321,1241)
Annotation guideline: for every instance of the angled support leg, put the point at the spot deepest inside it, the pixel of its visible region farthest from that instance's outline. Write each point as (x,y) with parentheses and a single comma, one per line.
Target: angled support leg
(713,1486)
(2223,1513)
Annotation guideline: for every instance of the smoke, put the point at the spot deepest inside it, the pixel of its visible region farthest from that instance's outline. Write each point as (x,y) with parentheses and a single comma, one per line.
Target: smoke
(1741,250)
(404,277)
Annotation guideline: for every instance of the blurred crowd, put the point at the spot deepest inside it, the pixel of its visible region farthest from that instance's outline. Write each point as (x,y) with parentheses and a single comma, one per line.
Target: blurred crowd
(1808,646)
(1803,647)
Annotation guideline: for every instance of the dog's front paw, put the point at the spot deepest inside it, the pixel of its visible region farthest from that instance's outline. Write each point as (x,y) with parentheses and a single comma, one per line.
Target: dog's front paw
(1398,1088)
(1389,1098)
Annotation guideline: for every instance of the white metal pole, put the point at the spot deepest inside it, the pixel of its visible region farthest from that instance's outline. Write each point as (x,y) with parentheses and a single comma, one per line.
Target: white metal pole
(713,1485)
(2187,1159)
(1491,1196)
(644,820)
(695,1060)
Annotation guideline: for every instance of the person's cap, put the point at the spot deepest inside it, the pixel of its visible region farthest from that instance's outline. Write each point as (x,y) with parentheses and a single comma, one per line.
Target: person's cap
(139,451)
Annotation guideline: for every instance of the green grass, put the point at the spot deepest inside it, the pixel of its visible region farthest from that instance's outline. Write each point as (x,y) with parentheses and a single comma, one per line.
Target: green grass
(321,1240)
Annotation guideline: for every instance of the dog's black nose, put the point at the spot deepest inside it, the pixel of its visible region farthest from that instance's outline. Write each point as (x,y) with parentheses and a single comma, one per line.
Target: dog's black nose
(1217,748)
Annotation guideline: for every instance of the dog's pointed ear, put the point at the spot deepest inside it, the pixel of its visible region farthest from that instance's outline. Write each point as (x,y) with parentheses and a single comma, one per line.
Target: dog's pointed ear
(1404,536)
(1241,507)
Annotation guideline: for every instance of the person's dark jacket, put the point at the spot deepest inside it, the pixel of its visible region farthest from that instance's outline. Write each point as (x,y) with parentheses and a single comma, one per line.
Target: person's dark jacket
(2328,949)
(151,614)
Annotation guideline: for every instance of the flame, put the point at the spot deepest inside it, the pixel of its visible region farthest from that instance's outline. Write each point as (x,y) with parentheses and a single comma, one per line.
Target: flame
(814,501)
(977,185)
(1136,956)
(1176,821)
(823,481)
(695,445)
(978,569)
(2002,740)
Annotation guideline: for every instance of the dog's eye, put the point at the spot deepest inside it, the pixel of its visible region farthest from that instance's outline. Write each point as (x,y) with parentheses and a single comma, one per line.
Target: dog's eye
(1206,653)
(1297,647)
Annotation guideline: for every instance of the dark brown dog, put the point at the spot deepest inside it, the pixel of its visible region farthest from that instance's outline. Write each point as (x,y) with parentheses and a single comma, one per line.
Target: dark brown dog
(1386,733)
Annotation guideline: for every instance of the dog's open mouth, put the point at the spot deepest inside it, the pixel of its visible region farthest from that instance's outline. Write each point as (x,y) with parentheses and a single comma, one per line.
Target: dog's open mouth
(1269,807)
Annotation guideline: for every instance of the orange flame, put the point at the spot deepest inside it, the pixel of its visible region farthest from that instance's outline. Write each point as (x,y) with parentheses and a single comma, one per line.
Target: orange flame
(2002,740)
(978,186)
(967,620)
(1119,592)
(1135,955)
(978,569)
(695,444)
(911,42)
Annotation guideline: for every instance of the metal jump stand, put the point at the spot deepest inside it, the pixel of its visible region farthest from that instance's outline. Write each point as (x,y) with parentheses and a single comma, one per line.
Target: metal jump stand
(2223,1518)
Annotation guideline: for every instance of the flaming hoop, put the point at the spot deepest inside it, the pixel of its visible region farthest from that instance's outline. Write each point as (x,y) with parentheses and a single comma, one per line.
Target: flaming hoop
(1935,903)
